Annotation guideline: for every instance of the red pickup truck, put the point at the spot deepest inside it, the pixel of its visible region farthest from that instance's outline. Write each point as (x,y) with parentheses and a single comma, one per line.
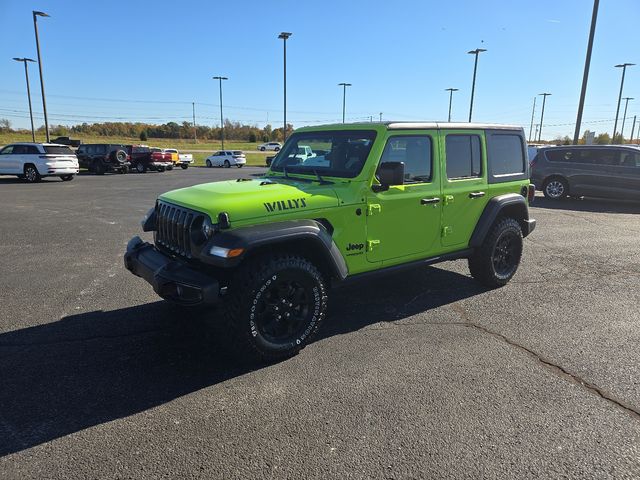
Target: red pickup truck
(145,158)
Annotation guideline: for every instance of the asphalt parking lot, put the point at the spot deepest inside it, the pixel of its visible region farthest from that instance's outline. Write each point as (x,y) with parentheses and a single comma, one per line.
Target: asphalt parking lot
(417,375)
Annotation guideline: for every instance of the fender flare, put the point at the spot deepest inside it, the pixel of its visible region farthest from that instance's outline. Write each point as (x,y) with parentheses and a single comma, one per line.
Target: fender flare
(271,234)
(518,209)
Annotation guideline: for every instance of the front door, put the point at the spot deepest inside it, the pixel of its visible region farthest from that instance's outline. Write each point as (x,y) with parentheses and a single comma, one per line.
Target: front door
(464,185)
(404,221)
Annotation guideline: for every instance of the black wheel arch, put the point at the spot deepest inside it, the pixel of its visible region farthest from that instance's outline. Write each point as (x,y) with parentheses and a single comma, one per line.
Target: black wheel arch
(308,238)
(510,205)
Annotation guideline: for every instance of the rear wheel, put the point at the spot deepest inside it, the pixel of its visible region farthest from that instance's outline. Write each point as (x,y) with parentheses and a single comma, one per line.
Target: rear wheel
(66,178)
(184,166)
(31,174)
(555,188)
(98,168)
(497,259)
(170,167)
(141,167)
(227,164)
(276,304)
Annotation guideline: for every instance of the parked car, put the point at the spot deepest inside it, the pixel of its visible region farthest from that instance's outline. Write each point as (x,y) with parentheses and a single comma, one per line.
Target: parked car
(144,158)
(67,141)
(100,158)
(591,170)
(181,159)
(274,146)
(226,158)
(33,161)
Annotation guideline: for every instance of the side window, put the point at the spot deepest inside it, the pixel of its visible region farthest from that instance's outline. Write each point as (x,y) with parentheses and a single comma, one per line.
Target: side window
(7,150)
(606,157)
(415,152)
(505,154)
(560,155)
(19,150)
(464,156)
(630,159)
(32,150)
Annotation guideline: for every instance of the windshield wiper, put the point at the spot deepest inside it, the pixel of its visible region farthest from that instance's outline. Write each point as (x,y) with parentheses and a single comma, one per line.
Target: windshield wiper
(320,179)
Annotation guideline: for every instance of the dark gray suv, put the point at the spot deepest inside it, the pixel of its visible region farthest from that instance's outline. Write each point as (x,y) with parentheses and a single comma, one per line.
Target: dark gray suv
(591,170)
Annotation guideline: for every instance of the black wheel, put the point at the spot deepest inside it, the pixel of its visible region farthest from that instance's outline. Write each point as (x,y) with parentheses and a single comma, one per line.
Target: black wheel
(184,166)
(160,169)
(170,167)
(275,305)
(239,165)
(124,169)
(141,167)
(277,149)
(208,163)
(227,164)
(66,178)
(555,188)
(98,168)
(31,174)
(497,259)
(262,149)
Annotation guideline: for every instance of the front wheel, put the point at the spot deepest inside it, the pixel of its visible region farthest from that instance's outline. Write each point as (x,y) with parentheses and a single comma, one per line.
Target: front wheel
(184,166)
(498,258)
(209,164)
(555,188)
(275,305)
(66,178)
(31,174)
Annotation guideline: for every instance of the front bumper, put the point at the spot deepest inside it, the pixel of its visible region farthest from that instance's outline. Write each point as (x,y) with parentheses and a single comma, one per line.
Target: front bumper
(171,279)
(529,226)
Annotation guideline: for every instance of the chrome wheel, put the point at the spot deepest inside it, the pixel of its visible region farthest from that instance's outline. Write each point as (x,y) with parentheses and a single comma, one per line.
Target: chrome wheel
(31,175)
(555,189)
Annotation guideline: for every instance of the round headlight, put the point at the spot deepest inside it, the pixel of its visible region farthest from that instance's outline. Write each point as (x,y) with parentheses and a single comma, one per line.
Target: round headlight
(207,228)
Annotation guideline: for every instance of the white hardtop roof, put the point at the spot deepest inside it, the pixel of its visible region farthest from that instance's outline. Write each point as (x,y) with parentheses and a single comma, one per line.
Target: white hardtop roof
(450,125)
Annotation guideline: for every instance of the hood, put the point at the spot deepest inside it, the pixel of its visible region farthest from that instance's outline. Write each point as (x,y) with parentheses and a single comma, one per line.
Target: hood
(247,199)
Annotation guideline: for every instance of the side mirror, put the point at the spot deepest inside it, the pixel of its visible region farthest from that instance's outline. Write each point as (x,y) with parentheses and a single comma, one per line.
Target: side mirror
(390,173)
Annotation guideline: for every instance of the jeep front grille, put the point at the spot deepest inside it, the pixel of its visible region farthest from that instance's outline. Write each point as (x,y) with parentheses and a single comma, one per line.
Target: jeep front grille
(173,228)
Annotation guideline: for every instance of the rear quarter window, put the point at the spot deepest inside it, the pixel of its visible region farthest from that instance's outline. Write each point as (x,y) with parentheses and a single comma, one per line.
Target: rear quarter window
(58,150)
(506,156)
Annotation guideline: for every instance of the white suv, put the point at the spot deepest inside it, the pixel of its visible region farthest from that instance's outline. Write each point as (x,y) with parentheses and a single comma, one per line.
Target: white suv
(32,161)
(226,158)
(274,146)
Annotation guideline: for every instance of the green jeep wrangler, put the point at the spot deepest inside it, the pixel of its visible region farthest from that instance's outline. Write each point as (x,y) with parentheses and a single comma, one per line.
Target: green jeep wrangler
(372,198)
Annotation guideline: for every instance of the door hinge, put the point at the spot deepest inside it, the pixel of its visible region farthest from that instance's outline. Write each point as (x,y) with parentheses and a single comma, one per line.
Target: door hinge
(373,208)
(448,199)
(371,244)
(446,231)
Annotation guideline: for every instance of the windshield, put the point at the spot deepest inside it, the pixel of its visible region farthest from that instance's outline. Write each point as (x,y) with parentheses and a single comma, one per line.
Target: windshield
(340,153)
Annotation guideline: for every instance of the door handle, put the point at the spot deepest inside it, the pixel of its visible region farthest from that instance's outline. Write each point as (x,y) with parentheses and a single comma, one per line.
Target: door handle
(476,194)
(429,201)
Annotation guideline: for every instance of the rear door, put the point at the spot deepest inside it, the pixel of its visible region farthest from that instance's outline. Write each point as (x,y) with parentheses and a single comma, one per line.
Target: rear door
(403,223)
(626,174)
(464,184)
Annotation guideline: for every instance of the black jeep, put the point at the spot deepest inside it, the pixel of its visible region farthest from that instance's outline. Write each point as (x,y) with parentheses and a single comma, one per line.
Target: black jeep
(100,158)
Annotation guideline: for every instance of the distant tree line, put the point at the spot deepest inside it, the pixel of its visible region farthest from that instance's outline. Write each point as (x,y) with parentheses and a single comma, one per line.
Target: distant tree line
(185,130)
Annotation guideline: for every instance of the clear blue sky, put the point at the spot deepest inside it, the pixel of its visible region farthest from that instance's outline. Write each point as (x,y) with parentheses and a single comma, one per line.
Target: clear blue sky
(400,56)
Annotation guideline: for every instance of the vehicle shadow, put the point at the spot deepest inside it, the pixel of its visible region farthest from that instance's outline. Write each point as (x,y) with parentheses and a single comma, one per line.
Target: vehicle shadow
(589,204)
(91,368)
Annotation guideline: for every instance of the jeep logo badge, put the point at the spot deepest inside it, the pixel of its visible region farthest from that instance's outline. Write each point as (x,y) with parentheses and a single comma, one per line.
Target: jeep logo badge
(355,246)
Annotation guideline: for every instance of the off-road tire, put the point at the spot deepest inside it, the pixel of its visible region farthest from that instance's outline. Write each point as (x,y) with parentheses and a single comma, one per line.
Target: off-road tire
(256,289)
(66,178)
(31,174)
(496,261)
(555,188)
(184,166)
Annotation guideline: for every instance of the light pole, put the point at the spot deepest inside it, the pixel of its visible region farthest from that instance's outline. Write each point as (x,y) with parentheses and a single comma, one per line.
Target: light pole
(633,129)
(475,52)
(544,100)
(284,36)
(624,116)
(450,90)
(380,116)
(344,96)
(44,102)
(615,125)
(195,129)
(533,113)
(585,76)
(26,74)
(220,79)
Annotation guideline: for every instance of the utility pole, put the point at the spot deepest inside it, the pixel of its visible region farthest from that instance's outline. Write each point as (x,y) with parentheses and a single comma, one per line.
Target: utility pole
(284,36)
(344,96)
(544,100)
(624,117)
(26,74)
(533,112)
(44,101)
(220,79)
(195,129)
(381,116)
(475,52)
(450,90)
(615,125)
(585,76)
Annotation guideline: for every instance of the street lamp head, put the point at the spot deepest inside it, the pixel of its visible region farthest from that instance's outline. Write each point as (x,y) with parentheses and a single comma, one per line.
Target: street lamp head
(25,59)
(477,51)
(624,65)
(40,14)
(544,94)
(220,78)
(285,35)
(344,84)
(451,89)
